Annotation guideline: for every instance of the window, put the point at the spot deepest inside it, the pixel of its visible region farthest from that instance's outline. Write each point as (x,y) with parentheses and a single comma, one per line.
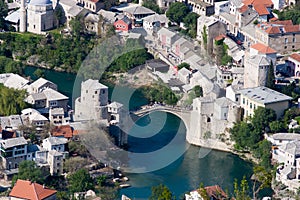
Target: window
(286,40)
(87,91)
(294,39)
(103,91)
(95,92)
(243,100)
(285,47)
(250,105)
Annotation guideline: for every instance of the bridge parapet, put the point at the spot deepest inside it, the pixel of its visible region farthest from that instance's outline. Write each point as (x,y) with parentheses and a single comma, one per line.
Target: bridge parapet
(162,108)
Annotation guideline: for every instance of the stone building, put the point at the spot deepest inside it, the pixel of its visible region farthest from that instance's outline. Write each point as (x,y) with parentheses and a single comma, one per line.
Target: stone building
(213,27)
(38,17)
(282,36)
(202,7)
(256,70)
(92,5)
(92,104)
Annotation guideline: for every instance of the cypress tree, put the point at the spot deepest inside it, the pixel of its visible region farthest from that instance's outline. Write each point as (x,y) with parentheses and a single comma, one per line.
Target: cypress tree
(270,77)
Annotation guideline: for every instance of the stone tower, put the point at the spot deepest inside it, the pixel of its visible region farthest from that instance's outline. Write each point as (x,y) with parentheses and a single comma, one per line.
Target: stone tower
(23,17)
(256,71)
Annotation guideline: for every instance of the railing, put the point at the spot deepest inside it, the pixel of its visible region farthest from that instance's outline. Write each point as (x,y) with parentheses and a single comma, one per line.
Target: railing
(147,109)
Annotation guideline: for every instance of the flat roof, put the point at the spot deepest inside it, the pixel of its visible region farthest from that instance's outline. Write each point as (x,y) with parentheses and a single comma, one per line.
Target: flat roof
(264,95)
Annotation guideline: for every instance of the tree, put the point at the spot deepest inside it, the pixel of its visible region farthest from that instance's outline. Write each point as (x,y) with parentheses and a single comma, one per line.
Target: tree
(290,13)
(277,126)
(241,191)
(39,73)
(204,37)
(270,77)
(262,152)
(190,21)
(161,192)
(77,26)
(28,170)
(74,163)
(59,14)
(177,11)
(203,192)
(151,4)
(184,65)
(262,117)
(261,179)
(3,13)
(80,181)
(11,101)
(198,91)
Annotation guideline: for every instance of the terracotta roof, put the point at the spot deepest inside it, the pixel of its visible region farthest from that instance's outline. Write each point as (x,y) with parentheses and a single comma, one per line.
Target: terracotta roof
(64,130)
(292,28)
(267,3)
(243,9)
(216,192)
(220,37)
(263,48)
(261,9)
(295,56)
(272,30)
(32,191)
(283,22)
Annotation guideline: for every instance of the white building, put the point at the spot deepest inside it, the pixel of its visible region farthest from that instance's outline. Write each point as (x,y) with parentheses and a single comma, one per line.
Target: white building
(55,143)
(115,110)
(252,98)
(57,116)
(184,75)
(39,85)
(153,22)
(279,139)
(55,161)
(92,104)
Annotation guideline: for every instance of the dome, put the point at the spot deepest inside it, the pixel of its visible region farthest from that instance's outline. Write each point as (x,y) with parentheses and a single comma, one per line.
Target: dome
(40,2)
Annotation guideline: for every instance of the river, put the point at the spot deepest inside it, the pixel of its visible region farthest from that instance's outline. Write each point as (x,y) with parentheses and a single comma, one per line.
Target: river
(186,172)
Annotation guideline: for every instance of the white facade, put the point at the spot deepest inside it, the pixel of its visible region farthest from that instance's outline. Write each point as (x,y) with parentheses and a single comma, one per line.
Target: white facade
(40,16)
(55,143)
(55,161)
(92,104)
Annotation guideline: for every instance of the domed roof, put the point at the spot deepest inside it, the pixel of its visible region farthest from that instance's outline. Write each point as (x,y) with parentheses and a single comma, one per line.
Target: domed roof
(40,2)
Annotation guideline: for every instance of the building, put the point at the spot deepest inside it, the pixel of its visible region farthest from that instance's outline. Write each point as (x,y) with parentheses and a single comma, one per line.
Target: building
(252,98)
(48,98)
(13,151)
(92,5)
(256,70)
(202,7)
(33,191)
(261,49)
(137,12)
(92,104)
(184,75)
(226,75)
(124,24)
(38,17)
(55,161)
(279,139)
(14,81)
(157,65)
(11,123)
(288,171)
(32,117)
(64,131)
(166,39)
(293,63)
(57,116)
(213,28)
(39,85)
(181,49)
(152,23)
(282,36)
(55,143)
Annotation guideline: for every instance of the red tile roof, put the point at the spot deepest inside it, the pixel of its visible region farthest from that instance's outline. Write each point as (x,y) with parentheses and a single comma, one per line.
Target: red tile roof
(283,22)
(263,48)
(272,30)
(261,9)
(243,9)
(292,28)
(216,192)
(62,131)
(295,56)
(32,191)
(267,3)
(220,37)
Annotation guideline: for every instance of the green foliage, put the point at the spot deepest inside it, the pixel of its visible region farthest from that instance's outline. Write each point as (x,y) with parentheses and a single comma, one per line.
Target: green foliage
(184,65)
(290,114)
(39,72)
(204,36)
(270,82)
(203,192)
(262,152)
(130,60)
(77,26)
(151,4)
(3,14)
(226,59)
(262,179)
(290,13)
(198,91)
(159,93)
(277,127)
(161,192)
(29,171)
(262,117)
(247,135)
(56,50)
(255,22)
(74,163)
(8,65)
(77,148)
(241,191)
(177,11)
(190,21)
(101,180)
(11,101)
(80,181)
